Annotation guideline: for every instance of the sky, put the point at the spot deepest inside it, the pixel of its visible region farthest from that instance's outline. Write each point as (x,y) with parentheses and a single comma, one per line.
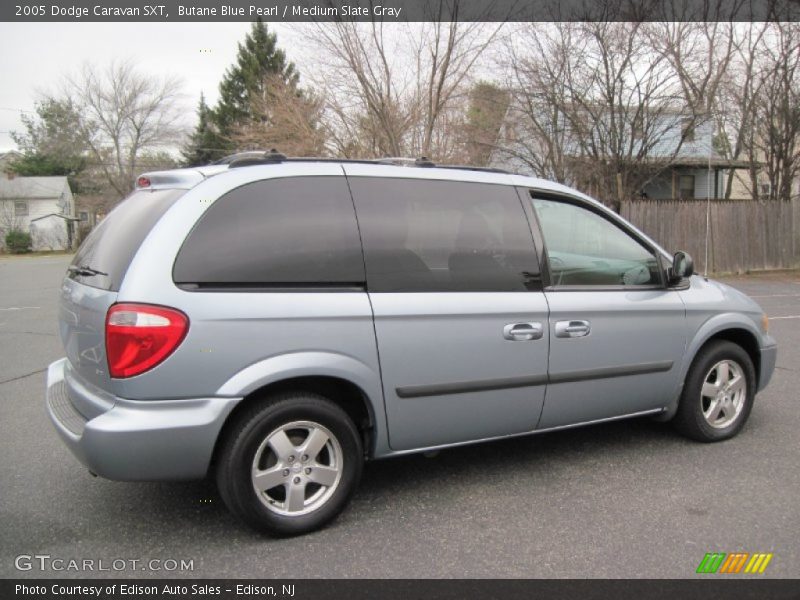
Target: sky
(35,56)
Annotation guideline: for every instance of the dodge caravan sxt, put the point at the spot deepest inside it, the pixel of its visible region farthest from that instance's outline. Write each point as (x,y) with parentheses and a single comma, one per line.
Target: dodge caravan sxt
(274,322)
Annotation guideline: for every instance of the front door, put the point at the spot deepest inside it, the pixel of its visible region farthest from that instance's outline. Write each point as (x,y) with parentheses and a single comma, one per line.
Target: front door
(617,333)
(460,318)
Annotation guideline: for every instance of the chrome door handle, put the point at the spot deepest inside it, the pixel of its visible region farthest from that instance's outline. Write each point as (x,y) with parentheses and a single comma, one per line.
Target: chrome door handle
(572,329)
(523,332)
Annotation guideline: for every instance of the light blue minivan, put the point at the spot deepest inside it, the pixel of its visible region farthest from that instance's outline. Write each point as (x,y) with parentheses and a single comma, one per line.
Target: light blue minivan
(274,322)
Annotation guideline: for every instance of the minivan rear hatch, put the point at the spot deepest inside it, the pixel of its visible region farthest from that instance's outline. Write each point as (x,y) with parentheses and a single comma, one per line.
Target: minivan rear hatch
(96,273)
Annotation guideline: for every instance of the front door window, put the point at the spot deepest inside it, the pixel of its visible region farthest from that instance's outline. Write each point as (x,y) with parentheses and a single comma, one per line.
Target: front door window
(583,248)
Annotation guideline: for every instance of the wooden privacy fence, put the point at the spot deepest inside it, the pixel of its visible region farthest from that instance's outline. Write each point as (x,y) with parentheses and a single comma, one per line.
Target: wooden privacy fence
(744,234)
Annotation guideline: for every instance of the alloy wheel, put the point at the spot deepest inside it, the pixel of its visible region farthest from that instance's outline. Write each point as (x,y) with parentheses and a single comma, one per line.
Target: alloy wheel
(723,394)
(297,468)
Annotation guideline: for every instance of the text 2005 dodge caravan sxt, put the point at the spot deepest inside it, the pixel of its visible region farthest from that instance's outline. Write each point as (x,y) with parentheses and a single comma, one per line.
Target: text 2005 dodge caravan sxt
(278,321)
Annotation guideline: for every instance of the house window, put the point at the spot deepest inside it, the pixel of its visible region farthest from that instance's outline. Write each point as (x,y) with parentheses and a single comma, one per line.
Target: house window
(687,129)
(687,186)
(84,216)
(20,208)
(764,188)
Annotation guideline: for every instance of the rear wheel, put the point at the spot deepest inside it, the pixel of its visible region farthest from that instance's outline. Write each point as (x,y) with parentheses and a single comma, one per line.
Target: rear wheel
(718,394)
(290,464)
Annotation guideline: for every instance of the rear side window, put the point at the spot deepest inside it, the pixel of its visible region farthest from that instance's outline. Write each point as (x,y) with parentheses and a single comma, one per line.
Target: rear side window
(111,245)
(292,231)
(424,236)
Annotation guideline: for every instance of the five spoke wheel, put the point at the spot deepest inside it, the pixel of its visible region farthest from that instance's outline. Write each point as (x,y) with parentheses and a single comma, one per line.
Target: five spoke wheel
(718,393)
(289,463)
(723,393)
(297,468)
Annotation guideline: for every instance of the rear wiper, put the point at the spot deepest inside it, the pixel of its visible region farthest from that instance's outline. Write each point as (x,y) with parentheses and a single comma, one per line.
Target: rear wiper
(85,270)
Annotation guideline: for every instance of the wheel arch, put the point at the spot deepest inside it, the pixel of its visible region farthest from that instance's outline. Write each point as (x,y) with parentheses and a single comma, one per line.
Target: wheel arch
(345,394)
(347,382)
(743,338)
(736,330)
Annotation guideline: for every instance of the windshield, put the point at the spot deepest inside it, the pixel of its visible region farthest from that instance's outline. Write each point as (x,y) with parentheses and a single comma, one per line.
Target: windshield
(105,255)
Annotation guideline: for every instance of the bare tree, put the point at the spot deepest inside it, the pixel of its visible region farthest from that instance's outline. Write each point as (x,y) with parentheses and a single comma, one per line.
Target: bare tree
(288,118)
(607,106)
(734,106)
(399,89)
(758,109)
(776,139)
(124,115)
(365,92)
(535,128)
(700,55)
(446,56)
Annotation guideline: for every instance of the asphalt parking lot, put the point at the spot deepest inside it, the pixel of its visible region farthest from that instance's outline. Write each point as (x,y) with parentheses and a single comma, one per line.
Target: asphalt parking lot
(630,499)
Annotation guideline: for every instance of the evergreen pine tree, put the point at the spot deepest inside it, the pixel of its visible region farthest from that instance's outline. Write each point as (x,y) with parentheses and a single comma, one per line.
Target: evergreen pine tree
(205,144)
(258,62)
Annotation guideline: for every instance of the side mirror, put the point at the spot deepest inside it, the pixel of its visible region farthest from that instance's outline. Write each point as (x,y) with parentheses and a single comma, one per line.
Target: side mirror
(682,266)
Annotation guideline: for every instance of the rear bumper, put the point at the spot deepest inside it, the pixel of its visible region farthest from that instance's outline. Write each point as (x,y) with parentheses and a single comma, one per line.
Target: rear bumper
(134,440)
(769,354)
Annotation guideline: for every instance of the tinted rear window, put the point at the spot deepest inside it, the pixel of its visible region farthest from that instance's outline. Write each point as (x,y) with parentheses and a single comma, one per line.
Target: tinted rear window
(111,245)
(289,231)
(427,236)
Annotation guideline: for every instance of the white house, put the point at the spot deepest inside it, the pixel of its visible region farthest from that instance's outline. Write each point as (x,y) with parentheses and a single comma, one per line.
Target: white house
(42,206)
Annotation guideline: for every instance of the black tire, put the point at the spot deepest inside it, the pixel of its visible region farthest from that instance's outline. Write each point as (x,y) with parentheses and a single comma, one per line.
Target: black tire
(690,419)
(270,510)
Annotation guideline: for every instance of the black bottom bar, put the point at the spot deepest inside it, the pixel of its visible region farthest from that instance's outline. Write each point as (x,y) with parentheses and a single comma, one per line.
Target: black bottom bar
(712,588)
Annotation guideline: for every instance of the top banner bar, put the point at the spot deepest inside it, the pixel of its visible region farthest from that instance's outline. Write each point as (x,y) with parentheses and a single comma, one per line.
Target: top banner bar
(398,10)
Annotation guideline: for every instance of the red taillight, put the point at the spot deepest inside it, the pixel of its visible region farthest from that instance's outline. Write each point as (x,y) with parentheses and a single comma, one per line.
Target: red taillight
(143,182)
(140,336)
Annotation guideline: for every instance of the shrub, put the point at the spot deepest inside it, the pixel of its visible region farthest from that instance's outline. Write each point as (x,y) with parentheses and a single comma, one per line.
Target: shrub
(18,242)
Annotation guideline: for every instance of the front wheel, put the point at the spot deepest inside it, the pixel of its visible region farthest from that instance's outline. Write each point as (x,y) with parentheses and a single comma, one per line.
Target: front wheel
(718,394)
(290,464)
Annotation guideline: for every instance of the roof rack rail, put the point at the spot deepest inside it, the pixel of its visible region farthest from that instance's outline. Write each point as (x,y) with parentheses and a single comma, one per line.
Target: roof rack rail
(252,158)
(397,161)
(404,161)
(471,168)
(273,156)
(226,160)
